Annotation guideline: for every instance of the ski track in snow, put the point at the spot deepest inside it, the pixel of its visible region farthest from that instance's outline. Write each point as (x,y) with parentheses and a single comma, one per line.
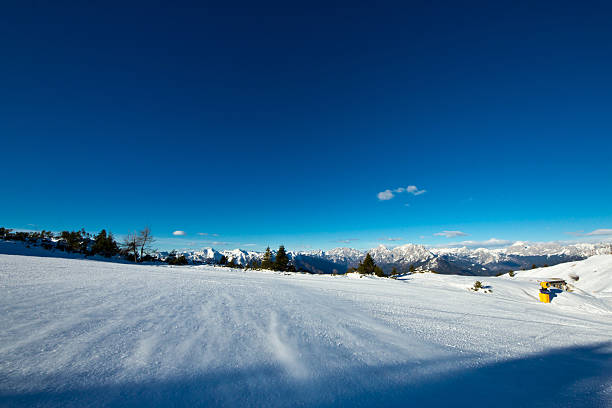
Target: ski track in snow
(88,333)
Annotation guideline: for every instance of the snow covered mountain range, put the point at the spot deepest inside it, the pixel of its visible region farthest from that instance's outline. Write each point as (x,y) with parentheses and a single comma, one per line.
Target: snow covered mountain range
(461,261)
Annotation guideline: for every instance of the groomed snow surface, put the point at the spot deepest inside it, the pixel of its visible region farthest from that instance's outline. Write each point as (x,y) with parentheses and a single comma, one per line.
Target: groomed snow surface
(77,333)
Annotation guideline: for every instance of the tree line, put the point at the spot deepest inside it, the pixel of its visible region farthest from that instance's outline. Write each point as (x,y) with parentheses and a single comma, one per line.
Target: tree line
(136,247)
(280,262)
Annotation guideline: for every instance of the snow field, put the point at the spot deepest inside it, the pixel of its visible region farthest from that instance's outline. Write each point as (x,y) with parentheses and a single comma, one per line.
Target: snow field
(88,333)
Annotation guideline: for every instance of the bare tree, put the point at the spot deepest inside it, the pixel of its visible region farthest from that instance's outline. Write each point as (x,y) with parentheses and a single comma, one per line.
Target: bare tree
(146,240)
(131,243)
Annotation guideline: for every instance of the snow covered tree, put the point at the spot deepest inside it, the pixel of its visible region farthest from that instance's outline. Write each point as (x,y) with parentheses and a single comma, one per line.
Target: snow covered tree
(282,260)
(266,262)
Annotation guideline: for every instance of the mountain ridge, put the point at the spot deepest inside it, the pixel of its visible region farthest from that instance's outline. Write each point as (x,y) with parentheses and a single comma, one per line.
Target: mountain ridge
(445,260)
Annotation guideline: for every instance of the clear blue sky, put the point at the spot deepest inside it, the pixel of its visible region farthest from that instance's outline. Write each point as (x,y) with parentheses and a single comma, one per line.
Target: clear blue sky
(267,123)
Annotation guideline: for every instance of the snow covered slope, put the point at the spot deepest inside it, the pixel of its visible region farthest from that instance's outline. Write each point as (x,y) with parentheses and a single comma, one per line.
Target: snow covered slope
(592,276)
(85,333)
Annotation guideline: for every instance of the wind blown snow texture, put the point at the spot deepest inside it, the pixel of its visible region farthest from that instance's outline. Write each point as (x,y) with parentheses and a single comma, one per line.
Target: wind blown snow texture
(85,333)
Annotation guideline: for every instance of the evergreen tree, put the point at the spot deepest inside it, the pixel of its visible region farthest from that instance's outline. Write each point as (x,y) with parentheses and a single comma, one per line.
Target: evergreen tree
(73,241)
(5,233)
(266,262)
(282,260)
(104,244)
(394,271)
(412,268)
(367,266)
(223,260)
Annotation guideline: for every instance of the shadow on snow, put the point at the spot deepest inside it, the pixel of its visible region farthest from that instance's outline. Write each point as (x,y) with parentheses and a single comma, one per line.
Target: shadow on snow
(573,376)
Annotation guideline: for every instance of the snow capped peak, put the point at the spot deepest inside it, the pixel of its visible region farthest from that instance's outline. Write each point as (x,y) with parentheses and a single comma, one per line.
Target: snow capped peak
(457,260)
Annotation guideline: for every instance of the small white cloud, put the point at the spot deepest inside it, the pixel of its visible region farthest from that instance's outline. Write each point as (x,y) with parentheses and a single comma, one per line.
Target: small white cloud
(601,231)
(218,243)
(347,241)
(385,195)
(389,194)
(492,242)
(205,234)
(249,245)
(451,234)
(391,239)
(179,233)
(597,232)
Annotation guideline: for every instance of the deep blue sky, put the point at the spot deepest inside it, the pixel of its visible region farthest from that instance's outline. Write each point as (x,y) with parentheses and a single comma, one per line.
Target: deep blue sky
(268,123)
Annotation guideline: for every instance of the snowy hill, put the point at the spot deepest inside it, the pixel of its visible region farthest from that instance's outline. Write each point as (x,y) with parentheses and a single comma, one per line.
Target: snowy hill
(87,333)
(592,277)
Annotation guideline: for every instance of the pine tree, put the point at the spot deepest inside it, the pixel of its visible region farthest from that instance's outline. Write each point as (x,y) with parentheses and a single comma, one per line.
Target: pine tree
(379,272)
(412,269)
(367,266)
(266,262)
(282,260)
(104,244)
(99,243)
(394,271)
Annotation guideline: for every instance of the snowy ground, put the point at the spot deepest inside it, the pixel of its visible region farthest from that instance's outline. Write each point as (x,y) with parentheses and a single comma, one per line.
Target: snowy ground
(86,333)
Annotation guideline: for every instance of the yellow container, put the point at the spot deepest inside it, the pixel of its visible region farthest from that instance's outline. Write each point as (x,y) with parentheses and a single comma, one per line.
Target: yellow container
(544,297)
